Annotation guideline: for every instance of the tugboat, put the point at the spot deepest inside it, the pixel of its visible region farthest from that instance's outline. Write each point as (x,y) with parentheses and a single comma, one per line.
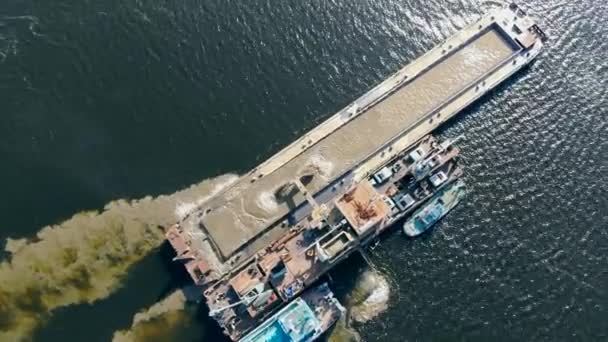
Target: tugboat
(425,217)
(303,320)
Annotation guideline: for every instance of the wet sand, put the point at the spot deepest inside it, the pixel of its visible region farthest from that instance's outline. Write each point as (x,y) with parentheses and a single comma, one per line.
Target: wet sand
(240,213)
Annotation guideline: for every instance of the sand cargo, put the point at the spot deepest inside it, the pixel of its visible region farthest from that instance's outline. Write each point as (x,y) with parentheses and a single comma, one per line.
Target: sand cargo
(257,245)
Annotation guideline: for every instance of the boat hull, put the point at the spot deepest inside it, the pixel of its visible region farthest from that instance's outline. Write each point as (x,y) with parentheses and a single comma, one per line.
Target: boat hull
(439,206)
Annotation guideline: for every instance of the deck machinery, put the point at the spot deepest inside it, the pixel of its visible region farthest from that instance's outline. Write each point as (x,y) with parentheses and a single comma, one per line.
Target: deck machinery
(261,242)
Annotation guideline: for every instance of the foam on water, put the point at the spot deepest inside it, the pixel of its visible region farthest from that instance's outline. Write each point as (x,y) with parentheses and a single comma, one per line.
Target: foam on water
(183,208)
(370,297)
(367,300)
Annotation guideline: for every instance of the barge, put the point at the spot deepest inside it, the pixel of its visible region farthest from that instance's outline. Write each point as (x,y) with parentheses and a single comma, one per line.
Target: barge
(287,222)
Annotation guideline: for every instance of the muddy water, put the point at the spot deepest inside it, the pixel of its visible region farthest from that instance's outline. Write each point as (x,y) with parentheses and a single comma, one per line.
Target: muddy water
(156,321)
(86,258)
(109,99)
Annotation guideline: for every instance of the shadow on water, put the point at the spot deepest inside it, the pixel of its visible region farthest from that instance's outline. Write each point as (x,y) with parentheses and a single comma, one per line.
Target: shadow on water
(213,332)
(346,272)
(179,279)
(178,275)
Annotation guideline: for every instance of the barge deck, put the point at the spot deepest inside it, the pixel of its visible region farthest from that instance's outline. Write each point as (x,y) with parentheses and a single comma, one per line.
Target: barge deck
(234,241)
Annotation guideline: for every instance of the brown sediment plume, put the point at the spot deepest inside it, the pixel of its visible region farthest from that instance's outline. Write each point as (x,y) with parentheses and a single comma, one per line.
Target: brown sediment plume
(157,322)
(369,298)
(365,301)
(85,258)
(343,332)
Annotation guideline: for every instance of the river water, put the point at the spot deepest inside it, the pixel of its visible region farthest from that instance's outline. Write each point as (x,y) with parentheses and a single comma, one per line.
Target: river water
(105,100)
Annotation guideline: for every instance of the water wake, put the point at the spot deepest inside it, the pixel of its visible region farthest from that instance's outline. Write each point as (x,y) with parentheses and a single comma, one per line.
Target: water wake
(84,259)
(343,332)
(369,298)
(365,301)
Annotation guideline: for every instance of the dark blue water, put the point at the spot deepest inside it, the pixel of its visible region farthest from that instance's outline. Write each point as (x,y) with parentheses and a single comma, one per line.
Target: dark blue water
(110,99)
